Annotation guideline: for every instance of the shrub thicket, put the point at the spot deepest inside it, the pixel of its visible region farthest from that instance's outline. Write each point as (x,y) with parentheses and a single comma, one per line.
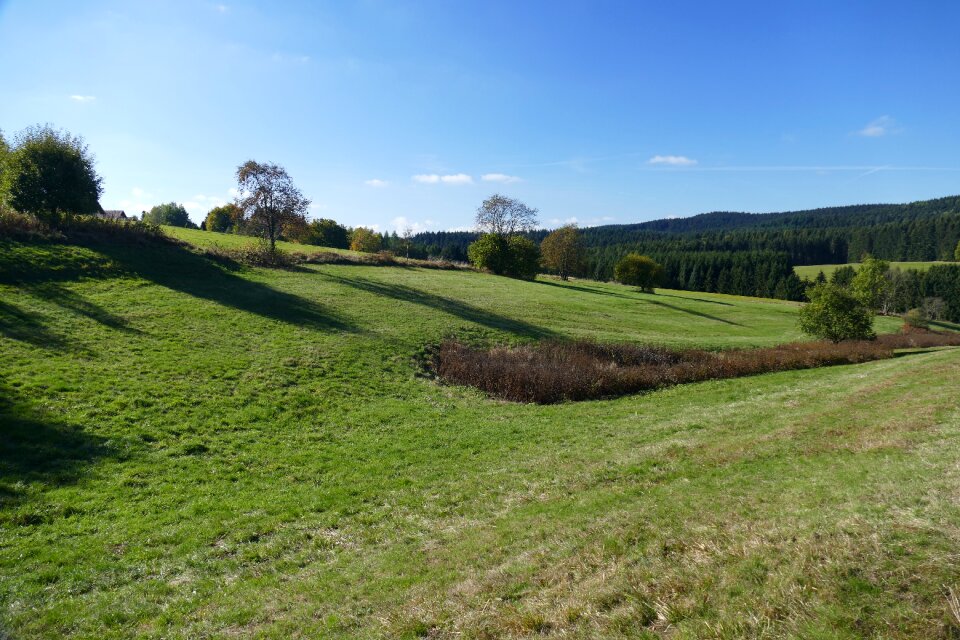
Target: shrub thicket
(561,371)
(834,313)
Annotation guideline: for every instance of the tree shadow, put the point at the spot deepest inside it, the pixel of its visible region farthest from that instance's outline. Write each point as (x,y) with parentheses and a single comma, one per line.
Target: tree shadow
(699,314)
(175,267)
(72,301)
(575,287)
(36,449)
(25,326)
(670,295)
(457,308)
(616,294)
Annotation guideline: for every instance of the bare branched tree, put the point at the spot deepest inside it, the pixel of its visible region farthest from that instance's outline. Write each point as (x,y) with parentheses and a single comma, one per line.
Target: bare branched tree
(505,216)
(269,200)
(407,239)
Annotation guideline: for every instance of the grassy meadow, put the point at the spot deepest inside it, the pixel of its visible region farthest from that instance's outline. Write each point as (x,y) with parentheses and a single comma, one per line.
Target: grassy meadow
(212,239)
(811,270)
(195,451)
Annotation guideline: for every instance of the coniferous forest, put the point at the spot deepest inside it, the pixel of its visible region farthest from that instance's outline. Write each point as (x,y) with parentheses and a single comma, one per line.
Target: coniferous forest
(754,254)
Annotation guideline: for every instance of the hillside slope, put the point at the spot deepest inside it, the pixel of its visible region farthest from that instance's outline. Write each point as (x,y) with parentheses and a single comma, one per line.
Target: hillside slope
(192,451)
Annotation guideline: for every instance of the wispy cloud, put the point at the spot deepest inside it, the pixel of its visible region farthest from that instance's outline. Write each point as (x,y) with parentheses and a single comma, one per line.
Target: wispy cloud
(79,98)
(222,8)
(500,177)
(376,182)
(672,161)
(434,178)
(880,127)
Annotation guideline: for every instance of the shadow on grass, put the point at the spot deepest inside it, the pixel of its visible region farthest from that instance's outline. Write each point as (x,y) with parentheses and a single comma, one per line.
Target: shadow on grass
(175,267)
(24,326)
(36,449)
(699,314)
(575,287)
(457,308)
(670,295)
(601,292)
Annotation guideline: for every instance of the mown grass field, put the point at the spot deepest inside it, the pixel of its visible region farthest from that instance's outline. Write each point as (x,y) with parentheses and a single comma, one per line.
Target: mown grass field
(210,239)
(195,452)
(811,270)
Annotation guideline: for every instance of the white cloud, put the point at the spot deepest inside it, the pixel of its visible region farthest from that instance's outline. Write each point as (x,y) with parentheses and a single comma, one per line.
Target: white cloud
(376,182)
(401,223)
(673,161)
(879,127)
(433,178)
(79,98)
(499,177)
(222,8)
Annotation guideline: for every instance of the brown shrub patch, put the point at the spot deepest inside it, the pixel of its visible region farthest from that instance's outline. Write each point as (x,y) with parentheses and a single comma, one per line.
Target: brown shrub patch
(556,371)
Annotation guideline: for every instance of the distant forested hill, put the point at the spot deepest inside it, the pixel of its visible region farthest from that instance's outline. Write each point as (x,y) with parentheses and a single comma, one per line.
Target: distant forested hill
(919,231)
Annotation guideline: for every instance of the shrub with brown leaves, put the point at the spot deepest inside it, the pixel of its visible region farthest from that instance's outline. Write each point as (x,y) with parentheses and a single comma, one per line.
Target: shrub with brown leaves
(557,371)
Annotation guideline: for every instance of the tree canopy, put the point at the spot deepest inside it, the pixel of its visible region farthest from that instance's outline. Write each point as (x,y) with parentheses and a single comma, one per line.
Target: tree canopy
(269,200)
(505,216)
(562,251)
(50,174)
(639,271)
(835,314)
(170,213)
(327,233)
(224,218)
(871,284)
(366,240)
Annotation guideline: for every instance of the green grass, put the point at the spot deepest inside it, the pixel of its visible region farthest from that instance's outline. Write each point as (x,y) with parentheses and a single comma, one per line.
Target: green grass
(210,239)
(192,452)
(811,270)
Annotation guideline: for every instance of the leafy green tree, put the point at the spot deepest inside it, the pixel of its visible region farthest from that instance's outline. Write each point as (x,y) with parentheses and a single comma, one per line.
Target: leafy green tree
(170,214)
(514,256)
(835,314)
(956,253)
(524,257)
(872,283)
(366,240)
(269,200)
(562,251)
(327,233)
(4,152)
(50,174)
(639,271)
(490,252)
(223,219)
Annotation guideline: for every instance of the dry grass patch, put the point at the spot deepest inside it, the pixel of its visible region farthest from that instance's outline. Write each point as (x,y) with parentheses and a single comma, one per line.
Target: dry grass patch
(557,371)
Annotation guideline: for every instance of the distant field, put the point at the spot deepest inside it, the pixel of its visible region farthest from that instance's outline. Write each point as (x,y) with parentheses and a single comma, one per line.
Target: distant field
(192,451)
(811,270)
(231,240)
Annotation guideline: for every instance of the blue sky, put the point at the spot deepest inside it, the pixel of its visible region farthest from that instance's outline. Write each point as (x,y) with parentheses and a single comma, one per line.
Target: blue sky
(394,114)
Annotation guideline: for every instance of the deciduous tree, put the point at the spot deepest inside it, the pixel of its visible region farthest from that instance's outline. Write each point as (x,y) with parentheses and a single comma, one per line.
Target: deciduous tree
(639,271)
(505,216)
(562,251)
(269,200)
(50,174)
(366,240)
(223,219)
(170,213)
(872,283)
(835,314)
